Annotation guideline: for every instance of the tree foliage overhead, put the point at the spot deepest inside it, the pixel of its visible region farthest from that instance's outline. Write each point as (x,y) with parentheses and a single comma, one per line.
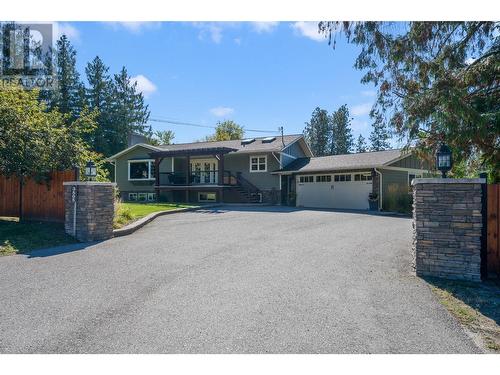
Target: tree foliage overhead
(318,132)
(227,130)
(437,81)
(342,139)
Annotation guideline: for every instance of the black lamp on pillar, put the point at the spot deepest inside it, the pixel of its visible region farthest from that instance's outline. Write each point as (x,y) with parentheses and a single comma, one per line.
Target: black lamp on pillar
(90,170)
(444,160)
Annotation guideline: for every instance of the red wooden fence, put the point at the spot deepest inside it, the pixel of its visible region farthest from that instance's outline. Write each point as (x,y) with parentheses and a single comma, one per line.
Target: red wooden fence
(493,228)
(43,201)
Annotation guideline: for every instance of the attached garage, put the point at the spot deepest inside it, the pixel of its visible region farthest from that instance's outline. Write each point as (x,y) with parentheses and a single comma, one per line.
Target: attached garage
(349,181)
(342,190)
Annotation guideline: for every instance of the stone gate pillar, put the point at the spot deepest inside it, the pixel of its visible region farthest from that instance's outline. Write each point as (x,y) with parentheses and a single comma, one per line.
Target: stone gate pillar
(94,203)
(447,224)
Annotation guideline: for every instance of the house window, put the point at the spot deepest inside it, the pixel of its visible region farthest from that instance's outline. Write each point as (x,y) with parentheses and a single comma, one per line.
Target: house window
(151,197)
(258,163)
(362,177)
(342,177)
(142,197)
(207,197)
(141,170)
(325,178)
(306,179)
(132,196)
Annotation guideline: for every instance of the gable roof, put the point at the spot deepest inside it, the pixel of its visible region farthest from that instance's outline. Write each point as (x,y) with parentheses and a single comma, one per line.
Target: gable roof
(123,152)
(343,162)
(259,145)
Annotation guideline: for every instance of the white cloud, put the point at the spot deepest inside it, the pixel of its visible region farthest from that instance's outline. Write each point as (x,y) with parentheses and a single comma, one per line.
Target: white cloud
(309,30)
(135,27)
(369,93)
(67,29)
(237,41)
(144,85)
(361,109)
(211,29)
(264,27)
(221,111)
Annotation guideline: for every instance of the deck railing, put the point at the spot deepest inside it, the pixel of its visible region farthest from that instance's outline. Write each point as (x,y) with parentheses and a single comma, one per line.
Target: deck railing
(196,178)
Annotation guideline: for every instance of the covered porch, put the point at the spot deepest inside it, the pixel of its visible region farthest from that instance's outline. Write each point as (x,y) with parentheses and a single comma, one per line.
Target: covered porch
(200,171)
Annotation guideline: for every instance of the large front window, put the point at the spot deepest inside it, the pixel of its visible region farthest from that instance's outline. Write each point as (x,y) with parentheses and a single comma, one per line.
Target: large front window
(258,163)
(141,169)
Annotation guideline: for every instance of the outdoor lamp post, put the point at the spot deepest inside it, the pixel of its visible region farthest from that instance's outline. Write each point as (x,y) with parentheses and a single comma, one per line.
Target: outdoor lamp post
(444,160)
(90,170)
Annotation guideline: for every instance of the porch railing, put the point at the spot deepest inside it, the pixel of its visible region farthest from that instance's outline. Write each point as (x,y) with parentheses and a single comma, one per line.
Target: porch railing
(196,178)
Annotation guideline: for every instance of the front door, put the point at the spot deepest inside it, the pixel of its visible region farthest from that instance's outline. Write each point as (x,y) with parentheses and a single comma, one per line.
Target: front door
(204,171)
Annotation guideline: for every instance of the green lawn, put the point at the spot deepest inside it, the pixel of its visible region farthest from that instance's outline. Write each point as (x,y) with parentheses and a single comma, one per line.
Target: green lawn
(127,212)
(22,237)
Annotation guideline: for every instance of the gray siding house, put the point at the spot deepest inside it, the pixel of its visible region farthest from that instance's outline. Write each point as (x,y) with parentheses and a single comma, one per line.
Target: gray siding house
(238,171)
(276,170)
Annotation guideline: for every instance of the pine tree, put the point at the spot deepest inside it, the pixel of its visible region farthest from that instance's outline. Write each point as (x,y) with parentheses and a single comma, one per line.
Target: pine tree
(379,137)
(67,95)
(99,98)
(129,112)
(342,139)
(361,144)
(318,132)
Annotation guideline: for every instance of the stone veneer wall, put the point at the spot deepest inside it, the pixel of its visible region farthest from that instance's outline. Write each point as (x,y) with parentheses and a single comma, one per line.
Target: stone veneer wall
(94,210)
(447,224)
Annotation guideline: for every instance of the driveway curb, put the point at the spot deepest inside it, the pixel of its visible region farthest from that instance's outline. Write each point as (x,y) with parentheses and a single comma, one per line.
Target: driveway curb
(136,225)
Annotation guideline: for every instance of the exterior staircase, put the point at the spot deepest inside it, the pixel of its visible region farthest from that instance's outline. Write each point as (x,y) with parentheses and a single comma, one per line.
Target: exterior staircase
(243,192)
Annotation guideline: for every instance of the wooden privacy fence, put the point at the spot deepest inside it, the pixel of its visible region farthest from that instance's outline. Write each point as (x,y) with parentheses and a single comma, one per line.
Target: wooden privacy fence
(493,230)
(35,201)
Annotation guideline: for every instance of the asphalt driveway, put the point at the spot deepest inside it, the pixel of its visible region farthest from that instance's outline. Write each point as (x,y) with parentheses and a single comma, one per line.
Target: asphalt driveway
(238,280)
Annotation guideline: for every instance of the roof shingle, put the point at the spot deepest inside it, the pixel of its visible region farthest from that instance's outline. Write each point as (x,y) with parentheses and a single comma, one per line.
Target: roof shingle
(342,162)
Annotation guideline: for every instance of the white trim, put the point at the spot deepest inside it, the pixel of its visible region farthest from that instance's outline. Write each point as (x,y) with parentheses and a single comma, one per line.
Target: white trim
(250,163)
(149,161)
(172,164)
(112,158)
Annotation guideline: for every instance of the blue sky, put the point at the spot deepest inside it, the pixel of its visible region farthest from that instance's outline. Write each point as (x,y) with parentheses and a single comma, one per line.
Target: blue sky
(261,75)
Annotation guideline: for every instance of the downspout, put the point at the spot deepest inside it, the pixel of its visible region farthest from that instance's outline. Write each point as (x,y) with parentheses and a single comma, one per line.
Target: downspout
(379,188)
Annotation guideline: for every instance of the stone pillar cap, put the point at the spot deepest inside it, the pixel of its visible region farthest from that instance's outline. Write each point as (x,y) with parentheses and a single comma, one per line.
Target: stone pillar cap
(448,181)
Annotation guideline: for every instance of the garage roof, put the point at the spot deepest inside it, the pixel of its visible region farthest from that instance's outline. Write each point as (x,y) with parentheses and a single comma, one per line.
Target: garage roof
(342,162)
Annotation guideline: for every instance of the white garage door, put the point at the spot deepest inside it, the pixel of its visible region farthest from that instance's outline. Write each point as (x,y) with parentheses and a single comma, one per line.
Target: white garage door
(343,190)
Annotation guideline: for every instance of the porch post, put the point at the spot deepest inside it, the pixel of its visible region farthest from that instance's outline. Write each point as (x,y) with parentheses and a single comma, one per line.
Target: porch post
(188,170)
(188,176)
(220,167)
(157,178)
(221,176)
